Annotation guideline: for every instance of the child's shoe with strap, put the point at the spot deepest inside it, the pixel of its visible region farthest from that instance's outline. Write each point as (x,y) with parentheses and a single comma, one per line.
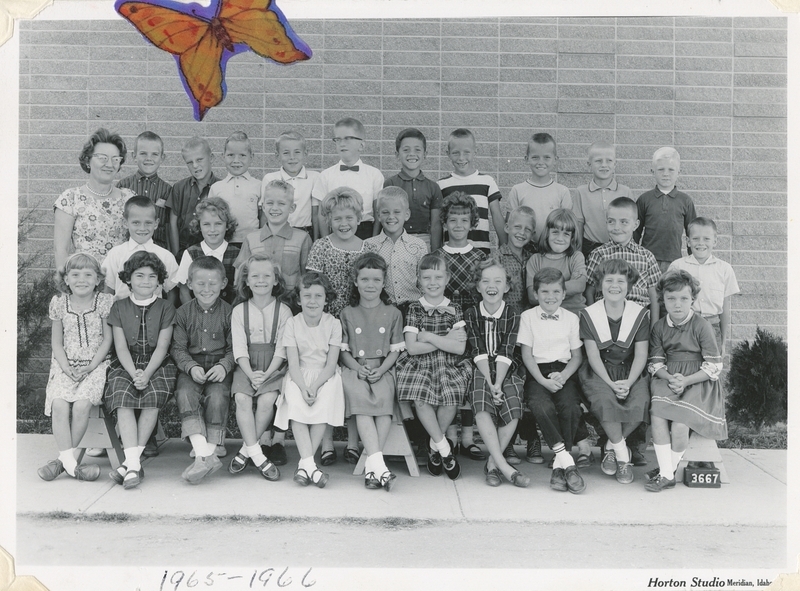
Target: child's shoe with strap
(451,466)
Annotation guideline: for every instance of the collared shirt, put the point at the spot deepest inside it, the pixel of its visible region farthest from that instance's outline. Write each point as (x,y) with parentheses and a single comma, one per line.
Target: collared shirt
(591,204)
(186,260)
(289,247)
(493,336)
(663,220)
(243,194)
(202,332)
(368,181)
(402,258)
(445,303)
(483,189)
(461,264)
(550,340)
(423,196)
(303,184)
(182,202)
(717,282)
(117,257)
(516,268)
(542,200)
(638,257)
(159,192)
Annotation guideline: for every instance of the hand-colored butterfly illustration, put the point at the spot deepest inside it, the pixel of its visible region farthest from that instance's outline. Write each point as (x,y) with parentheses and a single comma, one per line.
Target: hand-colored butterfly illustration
(202,39)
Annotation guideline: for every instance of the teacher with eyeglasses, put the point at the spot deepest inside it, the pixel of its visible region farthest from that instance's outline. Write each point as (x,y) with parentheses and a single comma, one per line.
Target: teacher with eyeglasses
(89,218)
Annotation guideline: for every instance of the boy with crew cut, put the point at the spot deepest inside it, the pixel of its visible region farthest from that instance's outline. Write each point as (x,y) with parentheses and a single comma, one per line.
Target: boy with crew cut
(187,193)
(141,221)
(591,201)
(203,352)
(664,212)
(540,191)
(291,149)
(148,156)
(424,195)
(352,172)
(465,178)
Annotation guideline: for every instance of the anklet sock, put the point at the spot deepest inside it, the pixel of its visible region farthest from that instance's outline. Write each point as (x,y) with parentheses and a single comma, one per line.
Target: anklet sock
(199,445)
(375,464)
(132,458)
(664,457)
(67,458)
(443,447)
(256,454)
(563,457)
(584,448)
(243,450)
(621,451)
(311,469)
(676,458)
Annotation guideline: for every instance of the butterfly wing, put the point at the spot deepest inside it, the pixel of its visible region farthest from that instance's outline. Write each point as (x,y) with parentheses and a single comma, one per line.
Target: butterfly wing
(263,28)
(192,41)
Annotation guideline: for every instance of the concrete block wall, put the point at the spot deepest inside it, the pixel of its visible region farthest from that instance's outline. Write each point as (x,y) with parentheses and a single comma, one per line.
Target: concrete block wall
(715,88)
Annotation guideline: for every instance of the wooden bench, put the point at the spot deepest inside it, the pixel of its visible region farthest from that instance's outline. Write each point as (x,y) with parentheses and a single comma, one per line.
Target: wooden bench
(397,444)
(102,432)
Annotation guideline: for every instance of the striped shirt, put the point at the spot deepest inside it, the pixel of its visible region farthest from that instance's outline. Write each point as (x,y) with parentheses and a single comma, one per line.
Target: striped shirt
(484,191)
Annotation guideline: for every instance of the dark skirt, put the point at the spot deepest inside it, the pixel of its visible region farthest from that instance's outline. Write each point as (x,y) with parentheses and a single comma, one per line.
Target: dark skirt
(605,405)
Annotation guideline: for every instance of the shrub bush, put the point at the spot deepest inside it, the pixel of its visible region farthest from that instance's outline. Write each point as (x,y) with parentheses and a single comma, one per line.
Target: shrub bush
(757,381)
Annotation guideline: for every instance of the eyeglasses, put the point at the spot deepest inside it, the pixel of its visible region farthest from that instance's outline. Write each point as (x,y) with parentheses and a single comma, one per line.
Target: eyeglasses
(102,159)
(347,138)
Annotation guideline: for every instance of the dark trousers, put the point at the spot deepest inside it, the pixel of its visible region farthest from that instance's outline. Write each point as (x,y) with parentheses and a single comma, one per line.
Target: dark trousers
(558,414)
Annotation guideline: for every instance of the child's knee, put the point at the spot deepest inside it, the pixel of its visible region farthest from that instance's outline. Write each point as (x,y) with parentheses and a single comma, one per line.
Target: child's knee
(243,400)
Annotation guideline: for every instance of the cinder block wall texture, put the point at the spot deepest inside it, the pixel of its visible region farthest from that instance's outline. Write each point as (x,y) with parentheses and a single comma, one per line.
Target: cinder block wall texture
(715,88)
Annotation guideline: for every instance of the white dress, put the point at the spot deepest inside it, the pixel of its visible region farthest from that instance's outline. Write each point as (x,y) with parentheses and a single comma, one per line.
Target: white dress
(313,344)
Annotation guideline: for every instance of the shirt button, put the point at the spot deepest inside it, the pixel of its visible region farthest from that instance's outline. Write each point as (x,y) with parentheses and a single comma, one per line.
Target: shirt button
(381,330)
(358,331)
(379,352)
(361,353)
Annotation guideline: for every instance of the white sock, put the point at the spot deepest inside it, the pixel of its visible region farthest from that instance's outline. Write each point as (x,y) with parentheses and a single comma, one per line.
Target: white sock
(564,459)
(311,469)
(199,445)
(676,458)
(255,453)
(140,449)
(443,447)
(212,448)
(621,451)
(132,458)
(67,458)
(243,450)
(664,457)
(376,464)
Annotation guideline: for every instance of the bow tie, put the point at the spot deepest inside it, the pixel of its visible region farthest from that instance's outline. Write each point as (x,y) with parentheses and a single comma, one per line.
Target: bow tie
(549,316)
(490,319)
(343,167)
(441,310)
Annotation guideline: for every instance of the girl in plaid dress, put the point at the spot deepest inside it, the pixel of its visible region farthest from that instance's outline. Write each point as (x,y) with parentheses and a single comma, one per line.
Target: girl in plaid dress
(81,342)
(497,388)
(433,372)
(459,216)
(142,375)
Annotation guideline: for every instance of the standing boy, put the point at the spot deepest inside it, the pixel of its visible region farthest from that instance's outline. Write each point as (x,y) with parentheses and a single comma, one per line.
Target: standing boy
(292,152)
(350,171)
(284,244)
(591,201)
(717,279)
(148,156)
(203,352)
(401,251)
(187,193)
(465,178)
(664,212)
(139,218)
(540,192)
(514,255)
(240,189)
(424,195)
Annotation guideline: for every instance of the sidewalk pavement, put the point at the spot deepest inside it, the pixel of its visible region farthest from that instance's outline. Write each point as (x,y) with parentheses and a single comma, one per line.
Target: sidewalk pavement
(755,497)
